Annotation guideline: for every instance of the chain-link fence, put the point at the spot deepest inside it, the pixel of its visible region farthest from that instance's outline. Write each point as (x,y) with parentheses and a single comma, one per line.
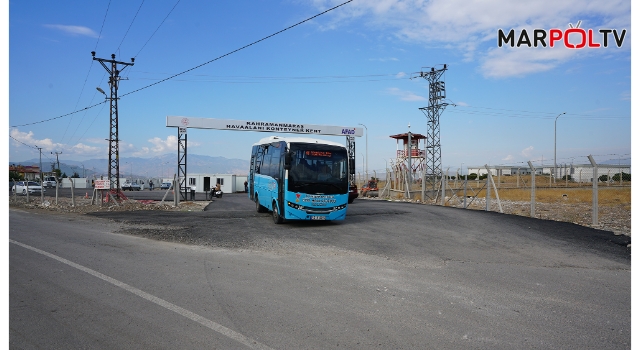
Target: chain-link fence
(586,191)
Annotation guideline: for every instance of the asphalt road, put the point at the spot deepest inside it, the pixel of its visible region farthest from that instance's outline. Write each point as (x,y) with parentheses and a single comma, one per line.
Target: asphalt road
(391,276)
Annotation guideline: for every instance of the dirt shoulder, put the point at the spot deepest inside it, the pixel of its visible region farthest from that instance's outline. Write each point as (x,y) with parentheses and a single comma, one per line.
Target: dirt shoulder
(616,219)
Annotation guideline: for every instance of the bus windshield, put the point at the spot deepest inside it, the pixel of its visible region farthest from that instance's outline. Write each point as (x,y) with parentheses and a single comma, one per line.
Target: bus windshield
(318,169)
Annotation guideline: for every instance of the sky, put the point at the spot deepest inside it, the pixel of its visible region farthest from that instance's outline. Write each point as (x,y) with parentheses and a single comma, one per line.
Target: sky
(355,65)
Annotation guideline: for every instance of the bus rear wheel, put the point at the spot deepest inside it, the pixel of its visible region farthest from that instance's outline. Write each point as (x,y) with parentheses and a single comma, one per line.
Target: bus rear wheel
(277,218)
(259,208)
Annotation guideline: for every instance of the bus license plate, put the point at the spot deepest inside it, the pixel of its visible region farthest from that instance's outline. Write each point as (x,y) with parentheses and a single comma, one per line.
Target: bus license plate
(315,217)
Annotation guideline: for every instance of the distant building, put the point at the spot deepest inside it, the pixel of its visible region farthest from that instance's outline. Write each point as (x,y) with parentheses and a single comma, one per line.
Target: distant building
(29,172)
(229,183)
(577,172)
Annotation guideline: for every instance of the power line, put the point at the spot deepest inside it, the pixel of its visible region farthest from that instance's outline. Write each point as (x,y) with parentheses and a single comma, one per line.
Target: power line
(282,77)
(85,82)
(102,27)
(34,147)
(196,67)
(58,117)
(89,72)
(239,49)
(529,114)
(133,20)
(154,32)
(328,79)
(274,82)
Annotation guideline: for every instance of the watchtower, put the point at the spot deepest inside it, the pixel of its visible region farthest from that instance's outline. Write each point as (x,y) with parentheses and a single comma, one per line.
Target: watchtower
(410,154)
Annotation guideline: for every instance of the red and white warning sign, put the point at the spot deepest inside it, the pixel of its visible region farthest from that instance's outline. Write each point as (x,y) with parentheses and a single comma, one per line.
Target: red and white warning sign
(102,184)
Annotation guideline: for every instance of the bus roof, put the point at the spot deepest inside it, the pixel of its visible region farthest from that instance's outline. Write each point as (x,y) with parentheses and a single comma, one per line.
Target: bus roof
(272,139)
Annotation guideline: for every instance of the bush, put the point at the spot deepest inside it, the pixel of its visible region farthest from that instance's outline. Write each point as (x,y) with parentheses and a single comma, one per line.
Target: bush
(603,178)
(483,177)
(15,176)
(472,176)
(625,177)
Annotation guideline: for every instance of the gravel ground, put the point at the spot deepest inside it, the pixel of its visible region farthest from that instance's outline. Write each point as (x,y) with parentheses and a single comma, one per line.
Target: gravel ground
(616,219)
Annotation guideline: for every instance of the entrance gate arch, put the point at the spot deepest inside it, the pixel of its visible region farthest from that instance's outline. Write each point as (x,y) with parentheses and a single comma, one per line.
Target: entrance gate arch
(184,123)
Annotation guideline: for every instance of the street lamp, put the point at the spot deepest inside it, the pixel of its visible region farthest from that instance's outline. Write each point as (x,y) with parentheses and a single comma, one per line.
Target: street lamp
(365,173)
(554,145)
(163,164)
(130,170)
(366,164)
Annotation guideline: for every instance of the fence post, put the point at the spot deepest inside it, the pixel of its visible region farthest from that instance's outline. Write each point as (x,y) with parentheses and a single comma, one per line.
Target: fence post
(620,173)
(490,177)
(73,198)
(423,185)
(464,203)
(443,187)
(533,190)
(487,194)
(580,177)
(594,210)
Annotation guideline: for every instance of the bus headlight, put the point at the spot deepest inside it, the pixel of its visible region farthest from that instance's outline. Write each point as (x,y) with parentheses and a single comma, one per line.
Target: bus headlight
(340,207)
(295,206)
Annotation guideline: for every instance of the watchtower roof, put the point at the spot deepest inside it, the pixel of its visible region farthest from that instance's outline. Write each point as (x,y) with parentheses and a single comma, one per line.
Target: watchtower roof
(405,137)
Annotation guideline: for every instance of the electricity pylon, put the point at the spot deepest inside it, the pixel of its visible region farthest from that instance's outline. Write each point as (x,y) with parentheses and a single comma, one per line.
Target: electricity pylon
(433,154)
(114,149)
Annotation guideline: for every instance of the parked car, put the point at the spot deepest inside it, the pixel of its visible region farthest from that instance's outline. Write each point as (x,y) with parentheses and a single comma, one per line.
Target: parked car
(23,186)
(130,186)
(353,193)
(165,186)
(49,182)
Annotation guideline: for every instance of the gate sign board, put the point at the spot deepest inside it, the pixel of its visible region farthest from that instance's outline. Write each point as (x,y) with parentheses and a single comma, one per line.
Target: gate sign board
(262,126)
(102,184)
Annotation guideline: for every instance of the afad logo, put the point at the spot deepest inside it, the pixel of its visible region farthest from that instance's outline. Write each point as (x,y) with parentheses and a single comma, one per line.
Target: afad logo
(572,38)
(349,131)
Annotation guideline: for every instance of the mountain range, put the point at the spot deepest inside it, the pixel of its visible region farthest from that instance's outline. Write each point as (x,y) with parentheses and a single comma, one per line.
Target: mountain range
(161,166)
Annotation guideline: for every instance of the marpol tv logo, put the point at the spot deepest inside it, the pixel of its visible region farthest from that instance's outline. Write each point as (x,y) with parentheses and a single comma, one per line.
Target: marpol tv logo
(571,38)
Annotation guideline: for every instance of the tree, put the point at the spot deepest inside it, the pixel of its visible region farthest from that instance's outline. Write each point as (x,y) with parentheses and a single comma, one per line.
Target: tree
(472,176)
(75,175)
(625,177)
(603,178)
(483,176)
(15,175)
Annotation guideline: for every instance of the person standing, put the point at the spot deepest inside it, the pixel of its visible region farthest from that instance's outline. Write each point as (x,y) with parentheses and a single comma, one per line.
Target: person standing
(246,186)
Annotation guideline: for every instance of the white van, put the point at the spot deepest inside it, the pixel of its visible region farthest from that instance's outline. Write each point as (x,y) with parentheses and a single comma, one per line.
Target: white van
(49,181)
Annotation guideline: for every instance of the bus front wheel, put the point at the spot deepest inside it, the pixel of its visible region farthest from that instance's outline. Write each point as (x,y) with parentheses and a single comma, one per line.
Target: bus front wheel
(277,218)
(259,208)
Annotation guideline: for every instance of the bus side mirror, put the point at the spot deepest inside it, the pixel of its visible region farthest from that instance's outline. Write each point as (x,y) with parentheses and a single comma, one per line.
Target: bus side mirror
(352,166)
(288,158)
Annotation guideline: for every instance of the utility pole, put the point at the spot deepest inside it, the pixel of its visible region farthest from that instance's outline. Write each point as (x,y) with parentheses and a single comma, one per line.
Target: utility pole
(41,182)
(366,152)
(57,160)
(433,152)
(114,150)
